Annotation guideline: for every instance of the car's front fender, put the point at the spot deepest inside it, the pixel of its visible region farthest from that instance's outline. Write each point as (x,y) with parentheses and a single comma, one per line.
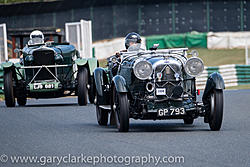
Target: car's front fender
(91,62)
(6,65)
(120,84)
(217,80)
(214,81)
(81,61)
(98,76)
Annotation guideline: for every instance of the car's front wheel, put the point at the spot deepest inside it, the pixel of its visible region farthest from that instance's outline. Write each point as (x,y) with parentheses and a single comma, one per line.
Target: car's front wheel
(121,109)
(82,90)
(8,89)
(216,110)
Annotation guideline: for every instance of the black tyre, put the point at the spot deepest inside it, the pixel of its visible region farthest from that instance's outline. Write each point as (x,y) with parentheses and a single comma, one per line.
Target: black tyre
(216,110)
(22,101)
(188,121)
(102,116)
(91,90)
(121,111)
(8,89)
(82,90)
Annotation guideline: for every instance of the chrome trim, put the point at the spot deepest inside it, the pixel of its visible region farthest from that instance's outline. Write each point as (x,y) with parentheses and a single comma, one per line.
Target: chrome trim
(48,66)
(179,53)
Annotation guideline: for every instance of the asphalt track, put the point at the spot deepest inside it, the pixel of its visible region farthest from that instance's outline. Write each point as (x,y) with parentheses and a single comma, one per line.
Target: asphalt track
(59,127)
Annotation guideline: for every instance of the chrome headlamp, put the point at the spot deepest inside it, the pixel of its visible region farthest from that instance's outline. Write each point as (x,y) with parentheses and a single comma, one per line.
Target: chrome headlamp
(58,58)
(29,58)
(142,69)
(194,66)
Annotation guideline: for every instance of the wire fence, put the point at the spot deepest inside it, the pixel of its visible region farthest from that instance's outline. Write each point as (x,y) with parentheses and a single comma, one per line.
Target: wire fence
(118,18)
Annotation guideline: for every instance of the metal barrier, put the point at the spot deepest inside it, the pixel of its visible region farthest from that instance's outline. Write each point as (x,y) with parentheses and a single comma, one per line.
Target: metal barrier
(232,74)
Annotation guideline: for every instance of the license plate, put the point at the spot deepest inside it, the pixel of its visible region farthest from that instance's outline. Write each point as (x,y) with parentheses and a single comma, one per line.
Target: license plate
(38,86)
(171,112)
(160,91)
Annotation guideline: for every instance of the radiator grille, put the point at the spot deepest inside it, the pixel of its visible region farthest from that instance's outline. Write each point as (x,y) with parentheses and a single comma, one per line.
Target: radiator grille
(168,78)
(44,58)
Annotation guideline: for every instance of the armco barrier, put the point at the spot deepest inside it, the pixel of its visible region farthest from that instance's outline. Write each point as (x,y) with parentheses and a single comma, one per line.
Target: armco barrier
(232,74)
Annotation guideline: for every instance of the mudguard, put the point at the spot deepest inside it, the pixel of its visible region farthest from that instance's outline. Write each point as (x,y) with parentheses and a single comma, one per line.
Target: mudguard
(91,62)
(120,84)
(98,76)
(81,61)
(6,65)
(214,81)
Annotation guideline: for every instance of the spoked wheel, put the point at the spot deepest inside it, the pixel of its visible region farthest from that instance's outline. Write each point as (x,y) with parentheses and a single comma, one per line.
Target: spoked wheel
(8,89)
(121,109)
(216,110)
(91,90)
(82,91)
(188,121)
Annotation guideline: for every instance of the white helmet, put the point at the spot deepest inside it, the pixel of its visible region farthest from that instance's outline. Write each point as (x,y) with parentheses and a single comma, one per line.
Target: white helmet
(37,37)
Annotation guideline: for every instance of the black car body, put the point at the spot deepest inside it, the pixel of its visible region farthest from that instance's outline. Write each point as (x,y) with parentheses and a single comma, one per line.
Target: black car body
(156,85)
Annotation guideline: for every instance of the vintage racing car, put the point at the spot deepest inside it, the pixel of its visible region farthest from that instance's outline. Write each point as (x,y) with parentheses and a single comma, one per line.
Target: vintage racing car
(49,70)
(155,85)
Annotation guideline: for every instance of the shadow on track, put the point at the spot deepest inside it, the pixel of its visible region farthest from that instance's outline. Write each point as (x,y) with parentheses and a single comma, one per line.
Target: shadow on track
(165,127)
(152,127)
(50,105)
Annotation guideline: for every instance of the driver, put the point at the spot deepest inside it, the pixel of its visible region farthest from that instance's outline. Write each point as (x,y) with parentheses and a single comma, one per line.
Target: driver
(36,37)
(131,40)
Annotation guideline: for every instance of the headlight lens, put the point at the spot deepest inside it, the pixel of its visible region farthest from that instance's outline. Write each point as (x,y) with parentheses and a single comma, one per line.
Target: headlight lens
(142,69)
(58,59)
(194,66)
(29,59)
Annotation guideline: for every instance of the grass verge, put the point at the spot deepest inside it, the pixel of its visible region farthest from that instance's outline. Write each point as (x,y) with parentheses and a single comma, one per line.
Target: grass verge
(247,86)
(222,56)
(1,97)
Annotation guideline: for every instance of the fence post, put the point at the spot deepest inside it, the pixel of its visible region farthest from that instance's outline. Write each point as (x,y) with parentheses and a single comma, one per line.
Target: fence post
(241,16)
(208,15)
(246,54)
(139,19)
(114,21)
(173,16)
